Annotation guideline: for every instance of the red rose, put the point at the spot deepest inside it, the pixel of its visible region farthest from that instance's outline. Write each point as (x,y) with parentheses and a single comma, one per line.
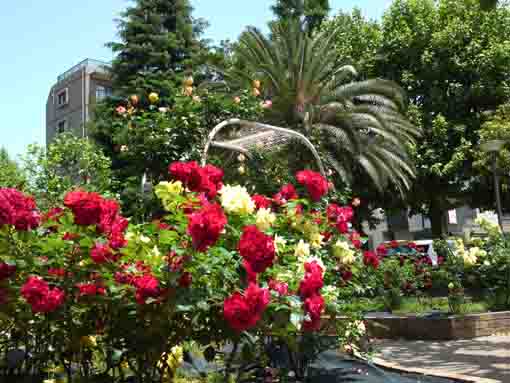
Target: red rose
(382,250)
(286,193)
(243,312)
(370,259)
(124,278)
(147,286)
(257,298)
(342,227)
(90,289)
(86,207)
(6,270)
(257,249)
(313,280)
(197,179)
(251,275)
(316,185)
(337,213)
(206,225)
(38,294)
(261,202)
(394,244)
(237,313)
(53,214)
(18,210)
(185,280)
(101,253)
(411,245)
(314,306)
(346,275)
(280,287)
(57,272)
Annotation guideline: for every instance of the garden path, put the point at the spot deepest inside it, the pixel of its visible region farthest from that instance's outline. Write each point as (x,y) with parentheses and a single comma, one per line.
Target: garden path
(486,359)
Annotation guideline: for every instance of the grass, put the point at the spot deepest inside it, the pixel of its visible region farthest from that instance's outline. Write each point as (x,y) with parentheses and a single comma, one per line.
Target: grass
(413,305)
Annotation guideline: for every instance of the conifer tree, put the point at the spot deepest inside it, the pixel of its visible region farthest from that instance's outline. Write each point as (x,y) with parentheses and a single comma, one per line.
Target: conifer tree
(311,12)
(158,41)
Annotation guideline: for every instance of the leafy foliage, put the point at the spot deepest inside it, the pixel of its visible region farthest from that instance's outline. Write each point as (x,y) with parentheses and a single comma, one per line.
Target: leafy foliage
(68,162)
(11,176)
(355,124)
(311,13)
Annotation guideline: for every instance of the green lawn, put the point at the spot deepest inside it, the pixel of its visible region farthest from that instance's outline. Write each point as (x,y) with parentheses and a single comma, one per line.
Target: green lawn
(413,305)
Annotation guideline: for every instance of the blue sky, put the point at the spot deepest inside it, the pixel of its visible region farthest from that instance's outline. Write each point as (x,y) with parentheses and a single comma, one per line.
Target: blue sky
(40,39)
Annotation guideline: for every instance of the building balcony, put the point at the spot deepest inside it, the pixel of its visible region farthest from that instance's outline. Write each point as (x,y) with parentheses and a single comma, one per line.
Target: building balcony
(91,65)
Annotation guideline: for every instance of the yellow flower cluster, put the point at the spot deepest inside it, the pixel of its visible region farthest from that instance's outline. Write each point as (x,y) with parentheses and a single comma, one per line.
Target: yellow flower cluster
(343,252)
(470,256)
(302,249)
(170,362)
(166,192)
(264,219)
(236,200)
(492,229)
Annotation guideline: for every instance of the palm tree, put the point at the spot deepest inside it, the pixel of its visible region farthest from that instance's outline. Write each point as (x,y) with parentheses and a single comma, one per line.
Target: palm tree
(353,123)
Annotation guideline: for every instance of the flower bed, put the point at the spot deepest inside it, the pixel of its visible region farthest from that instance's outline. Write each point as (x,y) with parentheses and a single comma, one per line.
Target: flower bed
(84,292)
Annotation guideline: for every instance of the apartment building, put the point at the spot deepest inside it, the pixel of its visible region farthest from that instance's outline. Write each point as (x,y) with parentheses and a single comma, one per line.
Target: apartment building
(71,100)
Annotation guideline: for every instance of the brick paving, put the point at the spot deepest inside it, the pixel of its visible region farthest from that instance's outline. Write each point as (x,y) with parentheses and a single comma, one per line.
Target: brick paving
(485,357)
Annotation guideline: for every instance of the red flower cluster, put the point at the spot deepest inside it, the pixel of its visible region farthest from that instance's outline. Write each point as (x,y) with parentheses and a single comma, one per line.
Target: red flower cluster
(355,238)
(242,312)
(6,270)
(261,202)
(309,289)
(86,207)
(147,286)
(92,209)
(371,259)
(205,226)
(286,193)
(40,296)
(340,216)
(316,185)
(257,249)
(102,253)
(280,287)
(90,289)
(381,250)
(18,210)
(207,179)
(314,306)
(313,280)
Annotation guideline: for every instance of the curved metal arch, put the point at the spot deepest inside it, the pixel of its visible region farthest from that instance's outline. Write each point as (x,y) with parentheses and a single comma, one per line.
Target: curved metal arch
(258,125)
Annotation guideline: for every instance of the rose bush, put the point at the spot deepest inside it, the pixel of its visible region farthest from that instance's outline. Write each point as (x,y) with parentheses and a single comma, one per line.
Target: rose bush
(219,265)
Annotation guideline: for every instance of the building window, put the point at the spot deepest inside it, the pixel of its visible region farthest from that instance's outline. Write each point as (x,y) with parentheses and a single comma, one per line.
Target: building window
(61,126)
(102,92)
(63,97)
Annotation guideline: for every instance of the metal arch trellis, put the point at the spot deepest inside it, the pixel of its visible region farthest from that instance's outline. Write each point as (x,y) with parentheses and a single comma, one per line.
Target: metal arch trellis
(257,125)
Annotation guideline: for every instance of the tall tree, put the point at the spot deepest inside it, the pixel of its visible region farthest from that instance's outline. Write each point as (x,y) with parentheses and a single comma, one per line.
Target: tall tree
(453,58)
(11,176)
(310,12)
(357,124)
(158,41)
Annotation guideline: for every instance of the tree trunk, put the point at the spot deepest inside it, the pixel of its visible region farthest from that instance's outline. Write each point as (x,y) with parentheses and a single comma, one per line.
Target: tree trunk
(436,215)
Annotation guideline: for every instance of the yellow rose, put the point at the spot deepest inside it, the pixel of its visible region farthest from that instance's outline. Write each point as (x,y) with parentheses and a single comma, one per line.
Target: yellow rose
(302,249)
(166,191)
(88,341)
(256,92)
(236,200)
(316,240)
(264,219)
(188,90)
(343,252)
(188,81)
(256,84)
(237,100)
(133,99)
(153,97)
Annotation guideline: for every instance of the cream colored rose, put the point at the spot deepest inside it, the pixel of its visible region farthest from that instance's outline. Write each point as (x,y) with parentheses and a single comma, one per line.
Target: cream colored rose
(264,219)
(236,200)
(302,249)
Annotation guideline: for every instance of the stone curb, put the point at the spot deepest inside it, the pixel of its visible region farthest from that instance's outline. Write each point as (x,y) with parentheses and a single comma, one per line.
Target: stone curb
(431,372)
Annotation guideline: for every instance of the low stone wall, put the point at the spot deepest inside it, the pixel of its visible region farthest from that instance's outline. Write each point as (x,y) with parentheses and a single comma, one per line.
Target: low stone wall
(438,328)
